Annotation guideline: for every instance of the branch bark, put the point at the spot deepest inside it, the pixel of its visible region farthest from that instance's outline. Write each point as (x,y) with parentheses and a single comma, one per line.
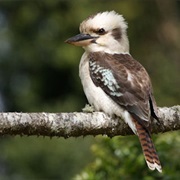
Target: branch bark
(80,124)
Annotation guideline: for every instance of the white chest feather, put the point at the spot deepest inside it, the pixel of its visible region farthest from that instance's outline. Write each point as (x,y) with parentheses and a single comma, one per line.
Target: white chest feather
(98,98)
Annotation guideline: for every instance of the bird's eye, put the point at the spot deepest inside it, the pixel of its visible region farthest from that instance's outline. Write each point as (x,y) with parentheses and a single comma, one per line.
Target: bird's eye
(101,31)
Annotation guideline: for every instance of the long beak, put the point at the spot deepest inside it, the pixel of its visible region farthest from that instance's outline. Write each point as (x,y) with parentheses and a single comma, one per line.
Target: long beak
(81,40)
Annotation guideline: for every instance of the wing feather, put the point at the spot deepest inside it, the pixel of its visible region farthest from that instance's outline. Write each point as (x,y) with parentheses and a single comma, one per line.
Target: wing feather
(126,81)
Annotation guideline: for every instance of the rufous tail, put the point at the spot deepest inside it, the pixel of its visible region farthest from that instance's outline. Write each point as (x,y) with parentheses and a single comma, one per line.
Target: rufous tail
(148,148)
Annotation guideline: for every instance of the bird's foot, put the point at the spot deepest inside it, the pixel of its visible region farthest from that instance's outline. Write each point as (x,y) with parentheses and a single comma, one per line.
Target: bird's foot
(88,108)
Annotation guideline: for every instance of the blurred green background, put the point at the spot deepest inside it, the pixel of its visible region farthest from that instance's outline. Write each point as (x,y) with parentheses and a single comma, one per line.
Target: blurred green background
(39,72)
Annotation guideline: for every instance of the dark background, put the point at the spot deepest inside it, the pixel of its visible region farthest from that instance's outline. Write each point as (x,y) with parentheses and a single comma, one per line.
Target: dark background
(39,72)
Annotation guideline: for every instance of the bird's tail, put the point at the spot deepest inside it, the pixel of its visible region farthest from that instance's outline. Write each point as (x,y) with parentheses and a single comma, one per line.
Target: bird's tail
(148,148)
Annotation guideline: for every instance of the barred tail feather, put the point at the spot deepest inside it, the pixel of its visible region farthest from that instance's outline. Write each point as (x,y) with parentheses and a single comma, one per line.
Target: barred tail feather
(148,148)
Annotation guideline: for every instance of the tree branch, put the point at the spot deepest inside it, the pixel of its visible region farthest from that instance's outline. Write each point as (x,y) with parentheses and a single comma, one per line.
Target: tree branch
(80,124)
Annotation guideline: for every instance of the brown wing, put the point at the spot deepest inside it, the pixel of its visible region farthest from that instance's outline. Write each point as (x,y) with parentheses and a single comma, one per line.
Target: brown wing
(126,81)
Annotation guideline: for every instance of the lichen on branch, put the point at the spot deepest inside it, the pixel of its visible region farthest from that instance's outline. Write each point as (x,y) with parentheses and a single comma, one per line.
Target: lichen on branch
(80,124)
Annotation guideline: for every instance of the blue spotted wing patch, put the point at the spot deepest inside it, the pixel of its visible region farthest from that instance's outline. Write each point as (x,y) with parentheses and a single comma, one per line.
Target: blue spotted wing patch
(105,78)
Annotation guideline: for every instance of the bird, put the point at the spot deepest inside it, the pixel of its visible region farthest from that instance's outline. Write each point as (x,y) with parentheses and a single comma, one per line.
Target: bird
(113,81)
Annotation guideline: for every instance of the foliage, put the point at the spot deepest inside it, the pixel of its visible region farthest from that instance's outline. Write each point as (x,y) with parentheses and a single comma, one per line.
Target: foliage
(121,157)
(39,72)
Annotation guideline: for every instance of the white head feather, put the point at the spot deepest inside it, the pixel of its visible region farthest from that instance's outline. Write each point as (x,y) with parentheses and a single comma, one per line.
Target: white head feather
(110,22)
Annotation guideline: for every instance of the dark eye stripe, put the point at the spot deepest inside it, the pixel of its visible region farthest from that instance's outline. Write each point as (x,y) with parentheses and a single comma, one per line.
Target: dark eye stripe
(116,33)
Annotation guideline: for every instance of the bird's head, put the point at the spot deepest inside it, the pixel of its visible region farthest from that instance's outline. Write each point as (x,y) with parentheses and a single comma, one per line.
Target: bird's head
(104,31)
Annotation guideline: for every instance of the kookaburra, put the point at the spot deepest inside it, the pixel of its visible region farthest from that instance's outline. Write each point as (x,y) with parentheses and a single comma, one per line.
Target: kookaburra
(113,81)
